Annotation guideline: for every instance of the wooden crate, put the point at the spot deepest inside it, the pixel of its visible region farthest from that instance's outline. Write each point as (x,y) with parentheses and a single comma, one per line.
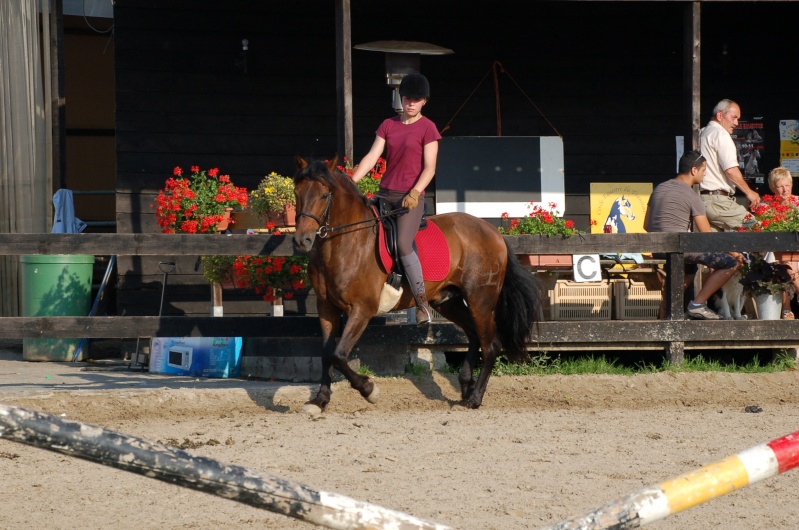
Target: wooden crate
(570,300)
(633,301)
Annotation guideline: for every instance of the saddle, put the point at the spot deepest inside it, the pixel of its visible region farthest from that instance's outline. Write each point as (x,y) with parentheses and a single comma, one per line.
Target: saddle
(389,222)
(430,244)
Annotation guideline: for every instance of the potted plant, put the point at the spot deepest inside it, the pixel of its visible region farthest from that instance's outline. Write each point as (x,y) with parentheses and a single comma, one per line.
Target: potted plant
(543,221)
(370,183)
(274,199)
(766,282)
(219,269)
(272,277)
(199,203)
(773,216)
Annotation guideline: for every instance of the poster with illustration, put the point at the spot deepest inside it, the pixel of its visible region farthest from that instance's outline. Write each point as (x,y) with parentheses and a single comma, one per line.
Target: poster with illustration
(748,137)
(619,207)
(789,146)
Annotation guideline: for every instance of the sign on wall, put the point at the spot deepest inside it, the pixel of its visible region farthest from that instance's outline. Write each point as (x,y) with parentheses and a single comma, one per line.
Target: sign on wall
(789,146)
(487,176)
(619,207)
(749,141)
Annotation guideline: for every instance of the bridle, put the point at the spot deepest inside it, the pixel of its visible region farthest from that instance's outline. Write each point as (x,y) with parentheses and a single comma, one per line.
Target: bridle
(324,226)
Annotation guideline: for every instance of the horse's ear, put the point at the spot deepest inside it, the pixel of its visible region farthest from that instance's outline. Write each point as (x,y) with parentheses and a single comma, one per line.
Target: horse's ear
(300,161)
(332,164)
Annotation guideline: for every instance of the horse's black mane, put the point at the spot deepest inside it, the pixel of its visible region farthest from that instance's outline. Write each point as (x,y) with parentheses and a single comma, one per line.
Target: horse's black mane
(335,179)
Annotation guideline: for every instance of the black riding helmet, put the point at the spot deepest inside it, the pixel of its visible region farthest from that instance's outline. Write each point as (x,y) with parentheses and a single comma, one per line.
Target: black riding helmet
(415,85)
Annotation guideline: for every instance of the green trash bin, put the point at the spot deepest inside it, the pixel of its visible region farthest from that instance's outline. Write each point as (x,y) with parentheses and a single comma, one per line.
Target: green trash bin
(54,285)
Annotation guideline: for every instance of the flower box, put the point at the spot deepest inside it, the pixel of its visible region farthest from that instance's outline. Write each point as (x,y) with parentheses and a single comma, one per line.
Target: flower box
(550,261)
(785,257)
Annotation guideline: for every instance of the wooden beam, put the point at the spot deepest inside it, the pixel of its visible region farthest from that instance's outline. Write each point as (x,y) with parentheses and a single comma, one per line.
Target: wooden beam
(239,244)
(58,83)
(344,144)
(692,70)
(767,333)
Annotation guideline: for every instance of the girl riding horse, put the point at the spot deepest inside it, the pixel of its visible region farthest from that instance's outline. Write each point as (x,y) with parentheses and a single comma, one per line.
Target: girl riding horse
(484,290)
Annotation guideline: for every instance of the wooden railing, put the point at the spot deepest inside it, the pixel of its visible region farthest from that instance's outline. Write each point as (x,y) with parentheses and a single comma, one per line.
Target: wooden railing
(674,334)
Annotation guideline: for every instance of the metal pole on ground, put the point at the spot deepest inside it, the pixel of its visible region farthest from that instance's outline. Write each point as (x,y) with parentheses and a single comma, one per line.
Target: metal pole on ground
(172,465)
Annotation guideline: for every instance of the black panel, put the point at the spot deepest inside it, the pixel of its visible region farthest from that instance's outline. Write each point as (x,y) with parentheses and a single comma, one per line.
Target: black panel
(488,169)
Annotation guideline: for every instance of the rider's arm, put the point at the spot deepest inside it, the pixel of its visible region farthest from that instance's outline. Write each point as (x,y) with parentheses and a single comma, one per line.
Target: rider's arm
(429,169)
(368,162)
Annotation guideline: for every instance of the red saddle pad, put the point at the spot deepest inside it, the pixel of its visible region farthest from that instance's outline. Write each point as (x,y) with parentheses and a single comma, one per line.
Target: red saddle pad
(433,252)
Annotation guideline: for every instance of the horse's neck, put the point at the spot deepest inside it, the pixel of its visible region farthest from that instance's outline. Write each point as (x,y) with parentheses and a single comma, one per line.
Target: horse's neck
(351,243)
(350,211)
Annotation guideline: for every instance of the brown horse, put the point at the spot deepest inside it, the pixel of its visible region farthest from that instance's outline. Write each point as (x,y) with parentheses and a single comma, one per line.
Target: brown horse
(486,292)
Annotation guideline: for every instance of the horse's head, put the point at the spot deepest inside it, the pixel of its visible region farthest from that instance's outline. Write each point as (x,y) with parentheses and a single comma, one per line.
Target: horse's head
(315,185)
(625,208)
(313,188)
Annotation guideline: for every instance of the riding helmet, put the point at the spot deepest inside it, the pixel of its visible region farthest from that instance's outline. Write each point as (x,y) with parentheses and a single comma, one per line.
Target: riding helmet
(414,85)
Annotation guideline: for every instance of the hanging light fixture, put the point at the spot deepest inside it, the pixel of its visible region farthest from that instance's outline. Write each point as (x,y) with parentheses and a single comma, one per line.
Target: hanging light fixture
(402,58)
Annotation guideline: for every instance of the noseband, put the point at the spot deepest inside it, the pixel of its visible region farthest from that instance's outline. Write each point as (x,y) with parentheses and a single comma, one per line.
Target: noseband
(324,226)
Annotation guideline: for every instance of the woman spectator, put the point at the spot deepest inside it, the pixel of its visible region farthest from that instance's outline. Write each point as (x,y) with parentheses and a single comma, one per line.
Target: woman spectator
(780,182)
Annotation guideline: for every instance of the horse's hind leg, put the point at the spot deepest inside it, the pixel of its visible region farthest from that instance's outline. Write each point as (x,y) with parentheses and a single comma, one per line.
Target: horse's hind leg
(456,311)
(485,331)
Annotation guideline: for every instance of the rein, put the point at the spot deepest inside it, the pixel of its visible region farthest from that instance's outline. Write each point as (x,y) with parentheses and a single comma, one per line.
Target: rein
(324,226)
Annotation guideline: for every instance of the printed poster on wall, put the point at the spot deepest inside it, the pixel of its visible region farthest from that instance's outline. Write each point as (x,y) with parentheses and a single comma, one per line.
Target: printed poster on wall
(619,207)
(789,146)
(748,137)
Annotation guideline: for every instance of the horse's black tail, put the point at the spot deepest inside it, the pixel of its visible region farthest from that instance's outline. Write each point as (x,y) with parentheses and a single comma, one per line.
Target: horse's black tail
(518,307)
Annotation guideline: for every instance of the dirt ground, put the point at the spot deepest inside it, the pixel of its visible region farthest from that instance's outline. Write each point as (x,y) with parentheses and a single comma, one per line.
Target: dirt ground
(541,448)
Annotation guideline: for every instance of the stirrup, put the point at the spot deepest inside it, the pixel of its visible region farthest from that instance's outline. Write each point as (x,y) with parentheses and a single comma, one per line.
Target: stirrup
(426,310)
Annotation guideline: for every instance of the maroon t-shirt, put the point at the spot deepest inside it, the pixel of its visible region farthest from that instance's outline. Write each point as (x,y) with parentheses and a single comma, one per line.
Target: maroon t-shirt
(405,151)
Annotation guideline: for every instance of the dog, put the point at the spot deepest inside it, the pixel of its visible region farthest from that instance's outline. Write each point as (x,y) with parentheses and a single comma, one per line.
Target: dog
(731,300)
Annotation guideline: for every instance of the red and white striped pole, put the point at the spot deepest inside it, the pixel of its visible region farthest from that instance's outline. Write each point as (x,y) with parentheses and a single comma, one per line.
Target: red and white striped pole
(686,491)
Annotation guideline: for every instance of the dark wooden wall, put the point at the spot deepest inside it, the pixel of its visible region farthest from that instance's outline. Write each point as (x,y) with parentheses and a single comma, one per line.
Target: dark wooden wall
(607,75)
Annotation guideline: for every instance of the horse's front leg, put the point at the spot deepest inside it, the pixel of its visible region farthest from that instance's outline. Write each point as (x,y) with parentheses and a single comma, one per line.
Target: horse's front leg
(330,320)
(356,324)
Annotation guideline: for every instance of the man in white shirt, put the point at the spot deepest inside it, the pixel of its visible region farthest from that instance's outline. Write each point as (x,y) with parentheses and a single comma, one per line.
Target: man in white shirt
(723,174)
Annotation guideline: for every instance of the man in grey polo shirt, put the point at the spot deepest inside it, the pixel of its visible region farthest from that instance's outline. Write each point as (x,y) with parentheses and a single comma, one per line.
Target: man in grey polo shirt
(675,207)
(723,174)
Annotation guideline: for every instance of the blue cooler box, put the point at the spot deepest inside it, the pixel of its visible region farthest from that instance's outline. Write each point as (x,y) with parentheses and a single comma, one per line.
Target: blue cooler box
(196,356)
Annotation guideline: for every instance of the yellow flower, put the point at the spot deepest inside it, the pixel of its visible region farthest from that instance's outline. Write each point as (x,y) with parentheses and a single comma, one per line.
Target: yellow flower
(274,193)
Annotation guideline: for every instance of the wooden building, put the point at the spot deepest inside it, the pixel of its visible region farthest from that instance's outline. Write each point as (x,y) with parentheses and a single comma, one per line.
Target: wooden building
(618,81)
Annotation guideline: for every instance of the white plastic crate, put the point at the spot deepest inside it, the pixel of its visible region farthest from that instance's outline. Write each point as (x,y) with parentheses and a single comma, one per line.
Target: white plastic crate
(633,301)
(570,300)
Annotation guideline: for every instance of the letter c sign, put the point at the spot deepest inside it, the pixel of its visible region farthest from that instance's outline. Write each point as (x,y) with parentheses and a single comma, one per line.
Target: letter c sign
(586,268)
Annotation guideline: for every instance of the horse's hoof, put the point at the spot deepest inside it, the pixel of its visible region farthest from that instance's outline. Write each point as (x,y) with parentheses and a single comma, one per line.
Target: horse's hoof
(469,404)
(312,409)
(373,395)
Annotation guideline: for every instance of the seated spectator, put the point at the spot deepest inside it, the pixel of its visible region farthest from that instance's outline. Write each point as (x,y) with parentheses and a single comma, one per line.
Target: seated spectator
(673,207)
(780,182)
